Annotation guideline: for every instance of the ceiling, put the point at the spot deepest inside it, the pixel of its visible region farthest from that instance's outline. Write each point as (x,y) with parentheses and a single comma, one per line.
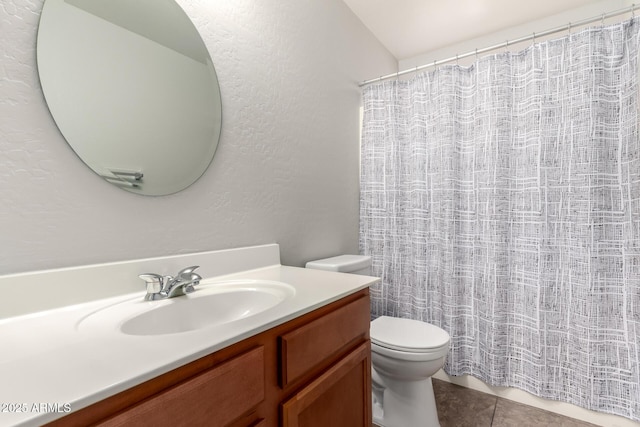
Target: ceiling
(411,27)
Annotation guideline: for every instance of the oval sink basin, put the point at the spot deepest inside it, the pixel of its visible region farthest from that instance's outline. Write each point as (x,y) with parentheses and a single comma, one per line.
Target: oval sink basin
(210,305)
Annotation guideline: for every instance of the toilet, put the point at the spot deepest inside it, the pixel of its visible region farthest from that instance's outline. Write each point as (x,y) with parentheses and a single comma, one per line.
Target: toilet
(405,353)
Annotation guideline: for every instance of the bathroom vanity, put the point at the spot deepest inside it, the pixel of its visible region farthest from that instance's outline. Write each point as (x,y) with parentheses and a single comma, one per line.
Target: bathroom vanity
(304,361)
(311,371)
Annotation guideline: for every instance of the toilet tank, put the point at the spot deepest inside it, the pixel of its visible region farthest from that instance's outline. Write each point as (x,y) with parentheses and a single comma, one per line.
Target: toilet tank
(355,264)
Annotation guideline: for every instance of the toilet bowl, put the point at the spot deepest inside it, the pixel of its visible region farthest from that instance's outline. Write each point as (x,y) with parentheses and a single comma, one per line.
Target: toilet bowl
(405,354)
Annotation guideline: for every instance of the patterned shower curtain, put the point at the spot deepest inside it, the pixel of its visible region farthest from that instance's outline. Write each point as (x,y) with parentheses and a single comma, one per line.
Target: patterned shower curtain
(501,202)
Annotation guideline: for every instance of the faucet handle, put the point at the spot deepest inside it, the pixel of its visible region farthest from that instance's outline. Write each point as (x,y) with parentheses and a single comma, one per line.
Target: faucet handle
(187,273)
(154,283)
(194,281)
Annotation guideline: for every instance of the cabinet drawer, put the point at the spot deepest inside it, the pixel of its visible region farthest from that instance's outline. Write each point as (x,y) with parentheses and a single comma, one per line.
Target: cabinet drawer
(317,342)
(213,398)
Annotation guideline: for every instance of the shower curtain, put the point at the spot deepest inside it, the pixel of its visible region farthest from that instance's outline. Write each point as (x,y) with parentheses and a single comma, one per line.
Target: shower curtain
(501,202)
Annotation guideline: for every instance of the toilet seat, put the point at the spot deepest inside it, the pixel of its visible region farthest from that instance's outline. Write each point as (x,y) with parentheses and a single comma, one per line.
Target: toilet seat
(408,336)
(407,356)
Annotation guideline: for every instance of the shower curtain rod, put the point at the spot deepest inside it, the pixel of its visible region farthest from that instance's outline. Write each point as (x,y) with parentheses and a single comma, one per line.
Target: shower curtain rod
(532,36)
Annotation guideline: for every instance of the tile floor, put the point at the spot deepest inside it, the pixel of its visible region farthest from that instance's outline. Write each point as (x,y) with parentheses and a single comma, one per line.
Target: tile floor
(462,407)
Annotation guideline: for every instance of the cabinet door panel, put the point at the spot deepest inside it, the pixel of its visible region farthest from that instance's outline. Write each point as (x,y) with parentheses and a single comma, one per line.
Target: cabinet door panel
(340,397)
(316,342)
(214,398)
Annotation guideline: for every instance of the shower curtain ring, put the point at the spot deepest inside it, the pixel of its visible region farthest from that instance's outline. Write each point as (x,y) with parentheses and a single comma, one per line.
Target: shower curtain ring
(569,28)
(476,54)
(633,10)
(534,38)
(602,21)
(506,46)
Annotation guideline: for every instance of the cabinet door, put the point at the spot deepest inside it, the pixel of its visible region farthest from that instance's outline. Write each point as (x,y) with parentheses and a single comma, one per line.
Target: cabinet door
(340,397)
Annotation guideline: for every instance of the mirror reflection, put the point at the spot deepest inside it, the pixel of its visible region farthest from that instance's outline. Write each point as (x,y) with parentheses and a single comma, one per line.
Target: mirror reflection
(131,86)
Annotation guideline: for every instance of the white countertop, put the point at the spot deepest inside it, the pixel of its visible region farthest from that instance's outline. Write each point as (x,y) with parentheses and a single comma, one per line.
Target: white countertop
(47,360)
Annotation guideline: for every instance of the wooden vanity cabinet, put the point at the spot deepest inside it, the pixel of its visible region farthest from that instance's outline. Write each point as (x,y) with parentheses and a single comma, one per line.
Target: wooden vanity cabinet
(314,370)
(330,400)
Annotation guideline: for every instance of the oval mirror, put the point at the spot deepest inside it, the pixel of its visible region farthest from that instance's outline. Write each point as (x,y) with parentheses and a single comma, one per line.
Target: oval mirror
(131,86)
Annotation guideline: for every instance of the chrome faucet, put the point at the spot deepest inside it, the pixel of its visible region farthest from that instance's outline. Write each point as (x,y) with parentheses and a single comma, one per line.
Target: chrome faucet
(162,287)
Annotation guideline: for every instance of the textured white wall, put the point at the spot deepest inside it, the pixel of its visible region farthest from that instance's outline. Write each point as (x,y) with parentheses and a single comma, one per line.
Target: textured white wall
(286,169)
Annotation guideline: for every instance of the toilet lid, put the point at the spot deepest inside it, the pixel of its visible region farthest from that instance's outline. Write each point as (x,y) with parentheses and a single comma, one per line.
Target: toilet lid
(407,334)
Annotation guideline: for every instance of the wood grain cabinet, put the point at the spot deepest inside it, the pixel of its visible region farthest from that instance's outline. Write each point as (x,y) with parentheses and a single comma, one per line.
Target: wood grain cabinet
(213,398)
(335,398)
(314,370)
